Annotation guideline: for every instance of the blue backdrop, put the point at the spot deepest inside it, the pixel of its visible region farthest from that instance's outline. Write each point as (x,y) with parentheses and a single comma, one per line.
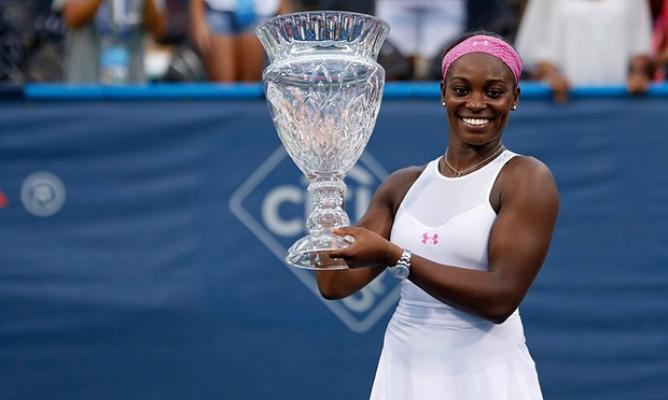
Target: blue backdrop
(141,243)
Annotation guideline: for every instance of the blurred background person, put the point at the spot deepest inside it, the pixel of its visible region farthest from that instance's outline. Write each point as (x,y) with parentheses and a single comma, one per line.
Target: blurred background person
(105,38)
(517,7)
(223,32)
(396,65)
(421,30)
(660,38)
(587,42)
(172,57)
(31,42)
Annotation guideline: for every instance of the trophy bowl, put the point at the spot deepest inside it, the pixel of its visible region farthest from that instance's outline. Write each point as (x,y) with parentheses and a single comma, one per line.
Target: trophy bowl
(324,88)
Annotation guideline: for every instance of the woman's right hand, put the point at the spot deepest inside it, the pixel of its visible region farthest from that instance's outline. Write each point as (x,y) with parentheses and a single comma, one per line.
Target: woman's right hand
(369,249)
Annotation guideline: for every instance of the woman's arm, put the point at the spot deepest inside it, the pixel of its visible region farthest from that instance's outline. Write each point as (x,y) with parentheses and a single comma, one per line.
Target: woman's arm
(378,220)
(155,20)
(518,244)
(77,13)
(200,32)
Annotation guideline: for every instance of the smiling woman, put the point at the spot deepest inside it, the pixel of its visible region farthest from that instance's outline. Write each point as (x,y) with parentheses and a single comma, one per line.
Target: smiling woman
(480,87)
(467,234)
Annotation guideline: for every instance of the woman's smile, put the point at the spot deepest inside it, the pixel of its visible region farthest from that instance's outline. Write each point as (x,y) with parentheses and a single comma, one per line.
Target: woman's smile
(477,123)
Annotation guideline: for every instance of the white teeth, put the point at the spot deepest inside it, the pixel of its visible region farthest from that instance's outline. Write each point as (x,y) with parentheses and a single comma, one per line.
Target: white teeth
(475,121)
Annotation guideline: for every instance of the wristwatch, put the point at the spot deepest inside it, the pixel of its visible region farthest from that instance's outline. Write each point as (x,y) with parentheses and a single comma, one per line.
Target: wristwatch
(403,267)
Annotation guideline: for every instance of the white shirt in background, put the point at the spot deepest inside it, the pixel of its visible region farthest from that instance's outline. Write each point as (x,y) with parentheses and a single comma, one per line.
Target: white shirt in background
(591,42)
(261,7)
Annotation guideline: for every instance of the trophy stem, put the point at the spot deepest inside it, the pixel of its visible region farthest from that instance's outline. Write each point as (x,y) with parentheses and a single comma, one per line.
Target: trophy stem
(327,198)
(327,213)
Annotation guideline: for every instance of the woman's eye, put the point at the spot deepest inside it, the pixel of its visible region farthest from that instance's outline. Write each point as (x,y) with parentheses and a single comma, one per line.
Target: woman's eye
(494,93)
(459,90)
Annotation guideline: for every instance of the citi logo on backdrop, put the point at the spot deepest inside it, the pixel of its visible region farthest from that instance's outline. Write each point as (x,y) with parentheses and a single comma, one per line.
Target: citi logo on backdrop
(273,204)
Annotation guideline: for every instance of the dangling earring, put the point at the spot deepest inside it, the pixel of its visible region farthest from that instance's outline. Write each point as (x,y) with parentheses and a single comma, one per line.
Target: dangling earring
(443,104)
(514,107)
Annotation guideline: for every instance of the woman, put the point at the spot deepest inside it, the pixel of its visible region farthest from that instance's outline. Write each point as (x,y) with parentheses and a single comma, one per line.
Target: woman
(91,25)
(223,31)
(585,42)
(467,233)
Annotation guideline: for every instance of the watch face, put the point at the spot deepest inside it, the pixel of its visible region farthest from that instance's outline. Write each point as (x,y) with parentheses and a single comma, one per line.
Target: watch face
(400,271)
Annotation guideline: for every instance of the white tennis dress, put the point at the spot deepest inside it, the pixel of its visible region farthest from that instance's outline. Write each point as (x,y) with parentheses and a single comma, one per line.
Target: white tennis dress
(432,350)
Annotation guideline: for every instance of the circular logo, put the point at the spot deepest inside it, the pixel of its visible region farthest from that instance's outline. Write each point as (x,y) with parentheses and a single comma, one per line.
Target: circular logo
(42,194)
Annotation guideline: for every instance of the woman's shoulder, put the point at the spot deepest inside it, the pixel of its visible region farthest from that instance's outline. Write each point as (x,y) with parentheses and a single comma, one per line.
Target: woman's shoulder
(406,174)
(398,183)
(523,166)
(527,177)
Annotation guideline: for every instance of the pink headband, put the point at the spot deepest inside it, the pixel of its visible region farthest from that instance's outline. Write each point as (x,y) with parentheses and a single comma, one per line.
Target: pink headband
(485,44)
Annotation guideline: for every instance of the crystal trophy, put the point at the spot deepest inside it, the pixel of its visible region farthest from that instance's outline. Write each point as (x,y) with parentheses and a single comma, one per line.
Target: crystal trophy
(324,88)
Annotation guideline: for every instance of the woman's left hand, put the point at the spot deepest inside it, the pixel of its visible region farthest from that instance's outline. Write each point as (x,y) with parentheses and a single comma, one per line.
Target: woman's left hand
(368,250)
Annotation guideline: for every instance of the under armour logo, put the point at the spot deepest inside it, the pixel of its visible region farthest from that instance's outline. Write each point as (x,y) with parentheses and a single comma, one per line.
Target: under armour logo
(427,238)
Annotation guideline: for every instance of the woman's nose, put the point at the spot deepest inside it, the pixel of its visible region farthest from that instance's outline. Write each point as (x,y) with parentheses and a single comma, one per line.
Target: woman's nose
(475,102)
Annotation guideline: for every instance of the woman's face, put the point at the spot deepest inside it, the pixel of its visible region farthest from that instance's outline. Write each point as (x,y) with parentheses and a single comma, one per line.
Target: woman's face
(479,93)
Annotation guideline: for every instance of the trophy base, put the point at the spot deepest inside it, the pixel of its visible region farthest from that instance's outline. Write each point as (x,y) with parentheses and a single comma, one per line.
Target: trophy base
(311,251)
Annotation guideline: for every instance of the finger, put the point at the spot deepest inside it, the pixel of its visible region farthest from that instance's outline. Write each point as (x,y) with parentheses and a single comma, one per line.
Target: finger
(324,259)
(341,253)
(345,230)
